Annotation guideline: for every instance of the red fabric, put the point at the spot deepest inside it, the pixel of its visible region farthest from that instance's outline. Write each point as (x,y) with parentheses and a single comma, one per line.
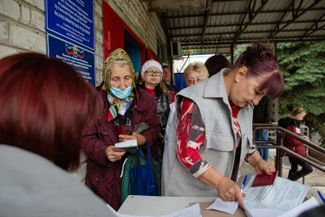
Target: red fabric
(103,176)
(294,144)
(190,140)
(152,92)
(235,109)
(188,154)
(172,95)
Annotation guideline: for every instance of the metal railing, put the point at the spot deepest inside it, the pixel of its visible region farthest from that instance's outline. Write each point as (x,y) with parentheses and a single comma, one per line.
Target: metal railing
(277,143)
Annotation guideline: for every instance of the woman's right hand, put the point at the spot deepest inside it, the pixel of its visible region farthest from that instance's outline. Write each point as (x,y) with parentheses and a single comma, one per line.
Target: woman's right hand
(114,154)
(227,189)
(230,191)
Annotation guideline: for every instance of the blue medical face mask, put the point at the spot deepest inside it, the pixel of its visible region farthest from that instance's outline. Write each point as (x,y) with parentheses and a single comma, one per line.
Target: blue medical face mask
(121,94)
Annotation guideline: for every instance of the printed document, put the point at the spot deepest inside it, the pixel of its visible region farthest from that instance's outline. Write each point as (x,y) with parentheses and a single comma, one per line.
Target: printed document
(309,204)
(273,200)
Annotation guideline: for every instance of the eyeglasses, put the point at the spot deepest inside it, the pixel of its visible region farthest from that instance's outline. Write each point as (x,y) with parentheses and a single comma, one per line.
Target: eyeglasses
(153,73)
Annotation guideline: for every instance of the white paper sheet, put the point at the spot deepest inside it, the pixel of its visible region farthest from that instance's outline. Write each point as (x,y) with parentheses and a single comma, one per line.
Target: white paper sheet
(283,195)
(263,212)
(308,204)
(227,207)
(274,200)
(127,144)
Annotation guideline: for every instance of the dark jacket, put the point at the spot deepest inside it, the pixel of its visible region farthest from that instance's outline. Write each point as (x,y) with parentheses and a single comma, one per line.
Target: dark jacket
(263,111)
(291,143)
(103,176)
(163,104)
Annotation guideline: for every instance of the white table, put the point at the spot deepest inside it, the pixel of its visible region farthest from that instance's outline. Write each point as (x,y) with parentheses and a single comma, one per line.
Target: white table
(157,206)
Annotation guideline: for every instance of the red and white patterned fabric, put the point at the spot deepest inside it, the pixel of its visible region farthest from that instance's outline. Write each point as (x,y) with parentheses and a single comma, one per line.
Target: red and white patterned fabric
(191,136)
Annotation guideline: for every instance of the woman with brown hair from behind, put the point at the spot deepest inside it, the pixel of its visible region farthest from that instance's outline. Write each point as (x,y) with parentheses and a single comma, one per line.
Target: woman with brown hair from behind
(45,107)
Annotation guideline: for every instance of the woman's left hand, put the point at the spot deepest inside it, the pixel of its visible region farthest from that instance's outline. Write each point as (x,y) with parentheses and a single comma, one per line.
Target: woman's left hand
(264,167)
(140,138)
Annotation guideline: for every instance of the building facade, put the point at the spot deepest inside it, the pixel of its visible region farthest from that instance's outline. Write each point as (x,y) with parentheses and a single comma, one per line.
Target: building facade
(117,23)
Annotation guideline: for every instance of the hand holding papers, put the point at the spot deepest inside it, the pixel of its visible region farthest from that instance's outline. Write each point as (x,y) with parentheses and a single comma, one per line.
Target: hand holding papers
(128,145)
(264,179)
(227,207)
(223,206)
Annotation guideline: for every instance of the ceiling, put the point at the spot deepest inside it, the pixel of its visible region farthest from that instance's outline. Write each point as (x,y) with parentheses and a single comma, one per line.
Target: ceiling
(217,26)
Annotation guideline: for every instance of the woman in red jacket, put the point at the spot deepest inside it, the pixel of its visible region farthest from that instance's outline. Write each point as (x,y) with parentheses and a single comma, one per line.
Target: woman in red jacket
(124,105)
(292,123)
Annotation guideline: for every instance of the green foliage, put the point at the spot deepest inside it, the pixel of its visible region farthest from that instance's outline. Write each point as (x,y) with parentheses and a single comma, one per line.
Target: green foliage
(239,50)
(303,67)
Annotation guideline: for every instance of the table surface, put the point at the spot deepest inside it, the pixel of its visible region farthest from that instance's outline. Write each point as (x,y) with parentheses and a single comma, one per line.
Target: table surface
(157,206)
(160,205)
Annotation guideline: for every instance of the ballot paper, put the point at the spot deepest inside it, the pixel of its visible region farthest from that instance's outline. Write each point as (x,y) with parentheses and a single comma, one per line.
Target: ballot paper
(308,204)
(191,211)
(273,200)
(127,145)
(223,206)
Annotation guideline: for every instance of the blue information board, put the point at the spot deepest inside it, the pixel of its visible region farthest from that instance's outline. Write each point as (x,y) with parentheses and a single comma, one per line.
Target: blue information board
(72,20)
(81,59)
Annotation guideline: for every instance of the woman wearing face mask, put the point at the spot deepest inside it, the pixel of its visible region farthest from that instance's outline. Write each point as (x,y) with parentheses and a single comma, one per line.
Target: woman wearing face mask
(292,123)
(124,106)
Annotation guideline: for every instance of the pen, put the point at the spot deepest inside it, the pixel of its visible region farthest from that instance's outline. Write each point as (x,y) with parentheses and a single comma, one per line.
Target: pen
(321,196)
(244,183)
